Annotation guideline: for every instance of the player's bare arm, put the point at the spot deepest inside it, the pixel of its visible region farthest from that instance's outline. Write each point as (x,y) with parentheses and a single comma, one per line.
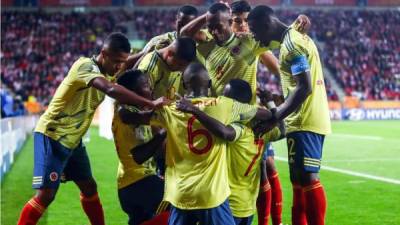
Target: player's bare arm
(269,60)
(193,29)
(129,117)
(131,61)
(214,126)
(297,97)
(144,152)
(123,95)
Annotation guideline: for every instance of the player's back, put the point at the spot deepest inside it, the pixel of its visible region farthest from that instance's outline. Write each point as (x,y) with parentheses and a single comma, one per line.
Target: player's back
(163,81)
(127,137)
(196,175)
(244,173)
(313,115)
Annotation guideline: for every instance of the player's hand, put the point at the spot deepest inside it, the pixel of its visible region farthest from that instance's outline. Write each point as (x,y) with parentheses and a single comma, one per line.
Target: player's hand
(184,105)
(160,102)
(303,24)
(264,95)
(263,127)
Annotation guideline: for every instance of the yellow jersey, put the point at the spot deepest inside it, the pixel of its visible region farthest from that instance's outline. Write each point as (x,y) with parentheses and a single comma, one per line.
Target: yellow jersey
(196,174)
(161,41)
(126,137)
(298,54)
(163,81)
(237,58)
(244,173)
(71,110)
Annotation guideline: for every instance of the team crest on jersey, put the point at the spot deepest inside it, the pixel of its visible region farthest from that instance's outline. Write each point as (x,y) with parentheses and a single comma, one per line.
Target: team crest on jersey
(53,176)
(235,50)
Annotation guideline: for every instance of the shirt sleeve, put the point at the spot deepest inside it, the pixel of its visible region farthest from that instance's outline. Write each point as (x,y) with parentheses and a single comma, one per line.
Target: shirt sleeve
(239,129)
(297,58)
(87,72)
(243,113)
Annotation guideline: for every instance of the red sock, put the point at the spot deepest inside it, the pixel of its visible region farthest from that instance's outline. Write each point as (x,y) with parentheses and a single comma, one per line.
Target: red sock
(298,208)
(276,198)
(31,212)
(93,209)
(264,203)
(316,203)
(160,219)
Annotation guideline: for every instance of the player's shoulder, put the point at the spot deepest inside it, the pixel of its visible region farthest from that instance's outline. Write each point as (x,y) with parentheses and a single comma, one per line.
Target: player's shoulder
(86,65)
(149,62)
(295,40)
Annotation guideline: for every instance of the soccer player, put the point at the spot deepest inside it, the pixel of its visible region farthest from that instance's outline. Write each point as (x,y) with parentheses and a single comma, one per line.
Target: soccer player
(305,109)
(162,65)
(196,175)
(140,190)
(225,55)
(240,11)
(58,146)
(185,14)
(243,153)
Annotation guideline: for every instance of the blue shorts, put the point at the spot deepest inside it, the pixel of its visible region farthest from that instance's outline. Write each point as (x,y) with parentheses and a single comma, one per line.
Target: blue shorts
(141,199)
(243,220)
(305,150)
(220,215)
(268,151)
(53,163)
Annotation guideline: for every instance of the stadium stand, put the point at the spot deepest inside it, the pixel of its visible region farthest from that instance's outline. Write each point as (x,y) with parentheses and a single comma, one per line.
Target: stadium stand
(37,48)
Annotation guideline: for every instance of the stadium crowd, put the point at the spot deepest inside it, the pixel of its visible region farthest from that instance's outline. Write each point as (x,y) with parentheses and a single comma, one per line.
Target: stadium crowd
(360,47)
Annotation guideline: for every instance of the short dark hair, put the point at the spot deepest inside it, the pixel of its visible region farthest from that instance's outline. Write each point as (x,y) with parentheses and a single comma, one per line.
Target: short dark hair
(117,42)
(129,79)
(185,48)
(260,12)
(240,6)
(240,90)
(188,10)
(218,7)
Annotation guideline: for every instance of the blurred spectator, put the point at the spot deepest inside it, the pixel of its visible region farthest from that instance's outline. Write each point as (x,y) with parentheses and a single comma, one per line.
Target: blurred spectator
(360,48)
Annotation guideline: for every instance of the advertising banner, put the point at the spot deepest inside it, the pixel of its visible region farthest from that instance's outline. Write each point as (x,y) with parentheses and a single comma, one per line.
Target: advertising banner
(325,2)
(72,3)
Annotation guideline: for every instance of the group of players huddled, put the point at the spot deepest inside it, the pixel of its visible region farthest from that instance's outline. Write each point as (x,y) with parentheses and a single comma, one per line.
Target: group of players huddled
(193,139)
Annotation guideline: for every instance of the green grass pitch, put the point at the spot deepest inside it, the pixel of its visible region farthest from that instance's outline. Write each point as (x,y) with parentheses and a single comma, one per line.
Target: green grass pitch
(368,147)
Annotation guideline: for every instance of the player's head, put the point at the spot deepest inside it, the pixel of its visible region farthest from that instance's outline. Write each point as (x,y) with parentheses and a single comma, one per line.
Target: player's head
(185,14)
(219,22)
(240,11)
(239,90)
(114,53)
(196,78)
(180,53)
(262,23)
(137,81)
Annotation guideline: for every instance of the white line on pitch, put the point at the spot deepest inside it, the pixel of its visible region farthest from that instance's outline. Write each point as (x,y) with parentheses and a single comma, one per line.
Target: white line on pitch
(365,137)
(362,160)
(349,172)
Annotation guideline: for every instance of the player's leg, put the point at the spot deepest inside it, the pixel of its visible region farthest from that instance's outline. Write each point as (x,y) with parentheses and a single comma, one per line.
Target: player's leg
(78,170)
(50,158)
(141,199)
(313,190)
(220,215)
(276,189)
(306,149)
(264,195)
(298,203)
